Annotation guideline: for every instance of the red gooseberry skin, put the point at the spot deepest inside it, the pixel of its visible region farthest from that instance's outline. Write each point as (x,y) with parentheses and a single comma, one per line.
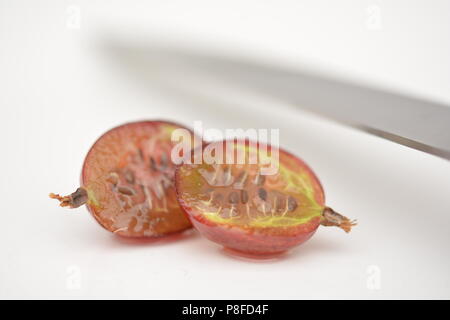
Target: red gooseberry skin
(267,241)
(243,237)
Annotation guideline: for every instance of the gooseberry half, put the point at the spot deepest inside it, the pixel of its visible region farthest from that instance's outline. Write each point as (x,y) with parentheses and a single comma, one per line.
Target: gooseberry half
(127,181)
(235,204)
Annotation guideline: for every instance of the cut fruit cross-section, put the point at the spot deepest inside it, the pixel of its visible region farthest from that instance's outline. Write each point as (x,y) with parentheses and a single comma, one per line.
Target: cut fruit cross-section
(238,205)
(127,181)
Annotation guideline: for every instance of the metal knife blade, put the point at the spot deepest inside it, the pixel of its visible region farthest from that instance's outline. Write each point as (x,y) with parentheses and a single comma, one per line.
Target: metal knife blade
(413,122)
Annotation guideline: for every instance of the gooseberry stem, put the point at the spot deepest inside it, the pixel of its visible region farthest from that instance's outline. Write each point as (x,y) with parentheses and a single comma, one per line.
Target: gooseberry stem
(332,218)
(74,200)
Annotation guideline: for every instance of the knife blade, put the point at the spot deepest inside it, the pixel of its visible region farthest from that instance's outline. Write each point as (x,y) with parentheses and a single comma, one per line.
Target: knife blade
(413,122)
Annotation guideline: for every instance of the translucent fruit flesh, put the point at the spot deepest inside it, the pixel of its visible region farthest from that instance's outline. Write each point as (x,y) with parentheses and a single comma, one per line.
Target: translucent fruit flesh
(239,207)
(127,181)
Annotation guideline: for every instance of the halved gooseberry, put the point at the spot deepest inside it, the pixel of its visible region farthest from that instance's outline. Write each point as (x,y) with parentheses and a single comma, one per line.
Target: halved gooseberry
(238,206)
(127,181)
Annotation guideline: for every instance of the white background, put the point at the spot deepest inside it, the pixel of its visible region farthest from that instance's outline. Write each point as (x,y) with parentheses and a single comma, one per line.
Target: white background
(60,89)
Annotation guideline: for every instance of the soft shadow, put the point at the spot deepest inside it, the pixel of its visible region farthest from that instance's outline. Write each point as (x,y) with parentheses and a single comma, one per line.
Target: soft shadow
(182,77)
(271,258)
(315,246)
(160,241)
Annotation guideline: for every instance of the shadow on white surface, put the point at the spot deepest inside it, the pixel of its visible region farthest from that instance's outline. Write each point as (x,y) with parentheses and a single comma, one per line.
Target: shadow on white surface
(117,241)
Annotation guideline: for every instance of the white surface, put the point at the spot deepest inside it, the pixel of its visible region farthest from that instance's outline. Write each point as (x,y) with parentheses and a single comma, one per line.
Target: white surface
(59,93)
